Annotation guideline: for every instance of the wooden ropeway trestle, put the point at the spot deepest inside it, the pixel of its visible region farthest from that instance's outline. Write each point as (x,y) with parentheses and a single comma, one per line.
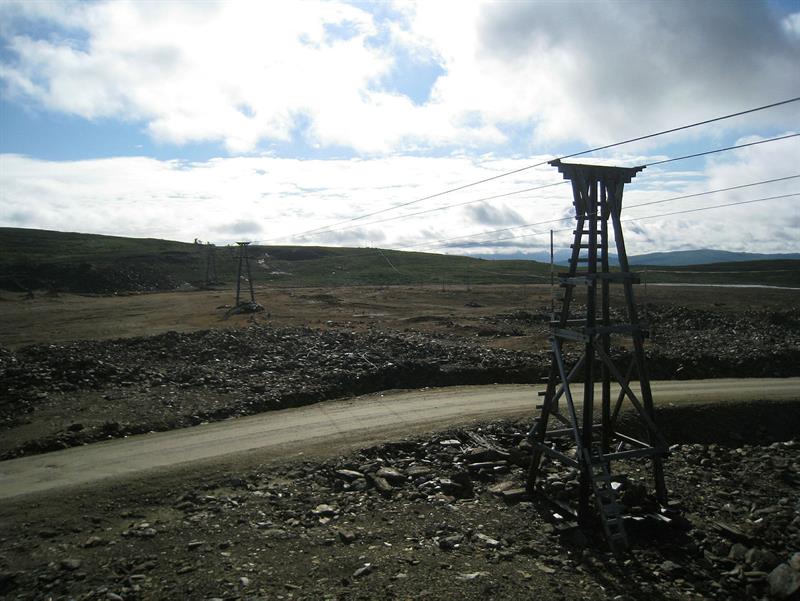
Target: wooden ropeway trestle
(578,436)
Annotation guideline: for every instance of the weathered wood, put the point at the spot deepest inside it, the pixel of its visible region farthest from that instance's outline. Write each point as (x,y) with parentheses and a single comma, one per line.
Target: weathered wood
(597,197)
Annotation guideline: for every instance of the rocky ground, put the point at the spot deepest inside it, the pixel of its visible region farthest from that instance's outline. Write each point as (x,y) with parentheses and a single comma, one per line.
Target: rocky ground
(60,395)
(106,389)
(443,516)
(119,387)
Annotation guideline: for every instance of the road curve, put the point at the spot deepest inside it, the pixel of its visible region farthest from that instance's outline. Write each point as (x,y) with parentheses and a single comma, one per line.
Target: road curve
(330,424)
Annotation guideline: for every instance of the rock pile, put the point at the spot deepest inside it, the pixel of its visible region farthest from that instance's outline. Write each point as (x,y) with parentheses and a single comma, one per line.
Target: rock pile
(442,516)
(120,387)
(174,380)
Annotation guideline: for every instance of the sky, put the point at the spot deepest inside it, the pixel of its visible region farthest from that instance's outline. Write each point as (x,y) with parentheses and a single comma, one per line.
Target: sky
(273,121)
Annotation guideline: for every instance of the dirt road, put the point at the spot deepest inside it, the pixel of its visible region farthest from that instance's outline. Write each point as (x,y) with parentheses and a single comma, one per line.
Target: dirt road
(334,425)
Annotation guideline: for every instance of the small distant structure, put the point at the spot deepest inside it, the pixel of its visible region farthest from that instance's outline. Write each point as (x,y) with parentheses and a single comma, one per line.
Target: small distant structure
(244,306)
(211,264)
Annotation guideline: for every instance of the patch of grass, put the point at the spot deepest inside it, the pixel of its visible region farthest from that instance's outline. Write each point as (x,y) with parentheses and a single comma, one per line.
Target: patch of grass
(72,261)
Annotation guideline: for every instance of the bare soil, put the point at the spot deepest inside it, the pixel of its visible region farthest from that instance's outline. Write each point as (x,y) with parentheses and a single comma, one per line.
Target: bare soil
(190,365)
(441,516)
(442,529)
(477,311)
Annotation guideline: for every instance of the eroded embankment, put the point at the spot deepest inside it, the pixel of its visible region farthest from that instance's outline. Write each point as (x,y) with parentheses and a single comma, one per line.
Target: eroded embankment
(57,396)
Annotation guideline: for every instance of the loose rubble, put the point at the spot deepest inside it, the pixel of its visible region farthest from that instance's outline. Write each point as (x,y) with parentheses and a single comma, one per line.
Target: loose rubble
(174,380)
(422,518)
(129,386)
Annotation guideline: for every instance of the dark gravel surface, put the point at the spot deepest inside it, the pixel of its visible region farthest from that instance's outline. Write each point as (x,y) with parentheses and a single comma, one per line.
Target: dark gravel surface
(119,387)
(56,396)
(443,516)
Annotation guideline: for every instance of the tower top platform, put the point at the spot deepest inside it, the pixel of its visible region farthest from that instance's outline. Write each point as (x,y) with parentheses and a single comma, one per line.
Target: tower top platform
(605,173)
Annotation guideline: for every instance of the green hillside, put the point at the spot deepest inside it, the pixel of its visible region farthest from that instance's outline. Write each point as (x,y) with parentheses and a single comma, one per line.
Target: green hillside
(38,259)
(783,272)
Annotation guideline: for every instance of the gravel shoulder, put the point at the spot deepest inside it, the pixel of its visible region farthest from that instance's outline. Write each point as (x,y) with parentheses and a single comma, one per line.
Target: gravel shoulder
(434,516)
(331,425)
(57,396)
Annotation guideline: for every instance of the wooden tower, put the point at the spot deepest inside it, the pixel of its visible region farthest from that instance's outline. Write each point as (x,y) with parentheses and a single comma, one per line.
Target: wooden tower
(589,441)
(244,260)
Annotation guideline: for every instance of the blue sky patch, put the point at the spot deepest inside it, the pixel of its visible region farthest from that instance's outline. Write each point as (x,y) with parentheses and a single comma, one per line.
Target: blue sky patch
(412,77)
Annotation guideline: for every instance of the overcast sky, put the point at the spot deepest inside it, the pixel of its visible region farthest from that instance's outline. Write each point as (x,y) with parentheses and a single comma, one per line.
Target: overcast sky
(264,120)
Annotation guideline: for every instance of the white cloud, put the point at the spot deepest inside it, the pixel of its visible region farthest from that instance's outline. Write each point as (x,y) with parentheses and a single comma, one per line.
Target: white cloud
(246,72)
(271,198)
(791,23)
(518,79)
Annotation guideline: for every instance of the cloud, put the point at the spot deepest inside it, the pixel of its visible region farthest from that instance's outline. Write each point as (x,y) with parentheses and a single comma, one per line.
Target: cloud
(237,72)
(136,196)
(338,75)
(275,199)
(614,69)
(240,227)
(489,215)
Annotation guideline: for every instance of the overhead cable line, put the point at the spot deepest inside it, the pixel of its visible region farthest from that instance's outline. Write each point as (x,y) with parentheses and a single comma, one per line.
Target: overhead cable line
(700,154)
(379,252)
(766,181)
(527,167)
(458,204)
(663,200)
(670,160)
(731,204)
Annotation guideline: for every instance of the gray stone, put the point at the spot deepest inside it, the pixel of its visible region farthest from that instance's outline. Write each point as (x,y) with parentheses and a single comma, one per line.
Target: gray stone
(448,487)
(761,559)
(392,475)
(450,542)
(346,536)
(670,567)
(512,495)
(471,576)
(349,474)
(783,581)
(738,552)
(486,541)
(279,534)
(71,564)
(381,485)
(95,541)
(359,484)
(324,511)
(363,570)
(415,471)
(501,487)
(483,454)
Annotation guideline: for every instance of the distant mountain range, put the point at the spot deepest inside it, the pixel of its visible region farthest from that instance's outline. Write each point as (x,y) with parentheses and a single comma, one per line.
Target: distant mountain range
(676,258)
(679,258)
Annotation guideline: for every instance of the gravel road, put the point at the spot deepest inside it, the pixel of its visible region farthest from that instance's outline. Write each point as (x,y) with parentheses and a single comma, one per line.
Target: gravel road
(334,425)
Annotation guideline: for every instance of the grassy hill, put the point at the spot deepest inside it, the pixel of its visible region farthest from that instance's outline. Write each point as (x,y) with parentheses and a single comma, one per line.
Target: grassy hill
(783,272)
(706,256)
(38,259)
